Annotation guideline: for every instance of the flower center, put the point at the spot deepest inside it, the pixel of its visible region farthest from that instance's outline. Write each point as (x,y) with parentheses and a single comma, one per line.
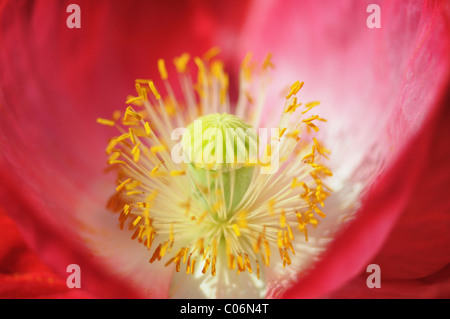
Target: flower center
(221,151)
(235,195)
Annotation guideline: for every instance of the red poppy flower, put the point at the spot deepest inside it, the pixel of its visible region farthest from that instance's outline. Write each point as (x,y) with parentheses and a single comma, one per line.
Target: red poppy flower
(383,91)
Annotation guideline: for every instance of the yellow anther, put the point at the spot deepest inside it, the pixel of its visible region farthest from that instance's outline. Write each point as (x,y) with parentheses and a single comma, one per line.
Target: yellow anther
(162,69)
(283,219)
(188,264)
(290,234)
(323,169)
(156,254)
(308,122)
(286,258)
(319,212)
(245,67)
(231,260)
(267,251)
(314,117)
(141,91)
(321,150)
(178,173)
(295,88)
(132,136)
(181,62)
(199,246)
(152,87)
(240,262)
(224,89)
(306,188)
(293,106)
(111,146)
(132,185)
(147,128)
(149,239)
(142,204)
(142,81)
(122,137)
(295,183)
(193,266)
(130,123)
(155,169)
(201,76)
(136,100)
(309,158)
(130,193)
(113,157)
(126,209)
(312,126)
(174,259)
(122,185)
(257,244)
(257,270)
(136,221)
(164,249)
(136,152)
(206,265)
(136,155)
(267,61)
(305,230)
(310,105)
(130,112)
(280,241)
(116,162)
(106,122)
(217,69)
(211,53)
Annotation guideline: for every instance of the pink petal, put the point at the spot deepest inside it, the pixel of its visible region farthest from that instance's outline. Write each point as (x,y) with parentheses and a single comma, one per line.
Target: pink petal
(383,209)
(414,258)
(382,91)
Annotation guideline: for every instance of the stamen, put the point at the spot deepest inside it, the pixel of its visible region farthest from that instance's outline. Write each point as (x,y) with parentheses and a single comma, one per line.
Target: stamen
(162,69)
(106,122)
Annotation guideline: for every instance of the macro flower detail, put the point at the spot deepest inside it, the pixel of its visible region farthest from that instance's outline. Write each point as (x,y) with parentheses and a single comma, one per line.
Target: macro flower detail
(223,195)
(384,92)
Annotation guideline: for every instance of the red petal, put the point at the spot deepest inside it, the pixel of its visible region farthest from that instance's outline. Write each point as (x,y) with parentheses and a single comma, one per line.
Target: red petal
(22,273)
(55,83)
(434,286)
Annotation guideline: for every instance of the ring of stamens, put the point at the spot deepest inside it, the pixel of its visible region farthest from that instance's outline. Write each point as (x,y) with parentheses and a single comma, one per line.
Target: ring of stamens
(188,225)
